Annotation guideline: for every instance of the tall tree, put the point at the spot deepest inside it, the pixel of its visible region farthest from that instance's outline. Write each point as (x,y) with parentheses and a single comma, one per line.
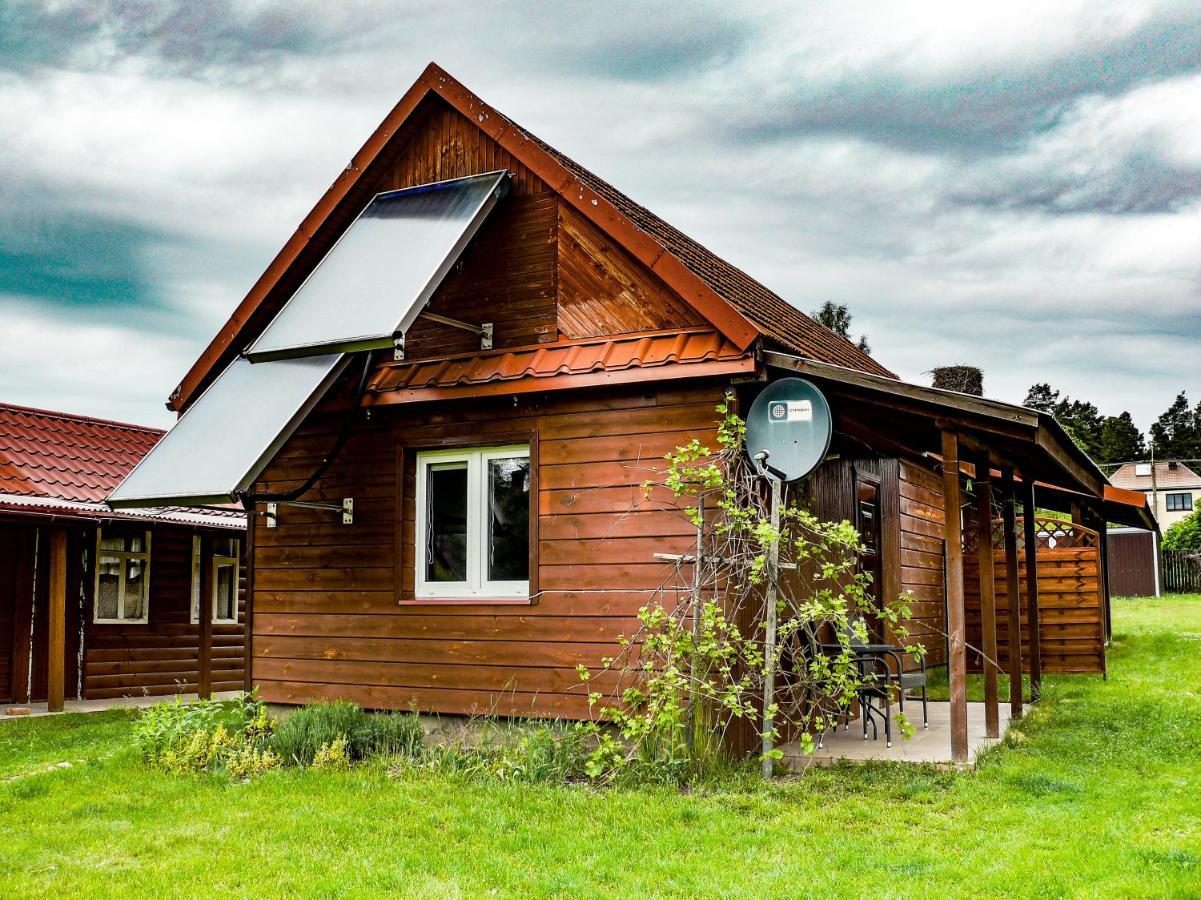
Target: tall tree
(1120,440)
(1176,434)
(837,318)
(1104,438)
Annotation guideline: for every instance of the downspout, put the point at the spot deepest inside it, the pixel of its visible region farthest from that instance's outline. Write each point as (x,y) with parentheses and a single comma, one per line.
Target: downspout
(33,613)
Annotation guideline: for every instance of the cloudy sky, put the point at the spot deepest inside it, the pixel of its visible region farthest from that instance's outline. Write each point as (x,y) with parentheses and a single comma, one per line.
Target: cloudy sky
(1016,186)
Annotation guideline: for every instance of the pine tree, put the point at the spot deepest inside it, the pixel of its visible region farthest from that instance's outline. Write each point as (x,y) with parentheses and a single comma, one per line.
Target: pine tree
(1177,433)
(1104,438)
(1120,440)
(837,318)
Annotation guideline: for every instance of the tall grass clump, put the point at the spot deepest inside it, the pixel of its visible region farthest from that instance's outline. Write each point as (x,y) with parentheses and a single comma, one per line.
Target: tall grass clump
(300,737)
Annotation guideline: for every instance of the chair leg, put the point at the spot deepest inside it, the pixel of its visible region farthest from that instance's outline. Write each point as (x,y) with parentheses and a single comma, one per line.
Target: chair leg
(887,725)
(925,710)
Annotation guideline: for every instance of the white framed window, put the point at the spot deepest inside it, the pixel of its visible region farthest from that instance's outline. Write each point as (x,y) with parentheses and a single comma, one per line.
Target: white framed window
(121,593)
(473,523)
(226,563)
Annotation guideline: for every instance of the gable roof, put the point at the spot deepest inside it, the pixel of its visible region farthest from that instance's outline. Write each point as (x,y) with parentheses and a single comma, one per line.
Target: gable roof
(68,464)
(1168,475)
(738,306)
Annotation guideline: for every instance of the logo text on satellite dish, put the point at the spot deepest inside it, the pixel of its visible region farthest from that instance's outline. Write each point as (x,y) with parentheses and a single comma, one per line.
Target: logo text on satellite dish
(790,411)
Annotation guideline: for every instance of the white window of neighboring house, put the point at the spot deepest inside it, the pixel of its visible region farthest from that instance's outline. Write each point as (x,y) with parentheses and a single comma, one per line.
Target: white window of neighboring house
(473,523)
(122,589)
(1179,502)
(225,562)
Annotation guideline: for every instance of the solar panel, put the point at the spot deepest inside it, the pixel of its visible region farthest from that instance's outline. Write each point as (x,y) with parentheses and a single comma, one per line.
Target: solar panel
(221,444)
(375,280)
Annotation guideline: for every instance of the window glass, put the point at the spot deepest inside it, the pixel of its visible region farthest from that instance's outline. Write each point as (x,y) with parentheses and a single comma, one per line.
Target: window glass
(508,519)
(224,604)
(107,587)
(135,589)
(446,544)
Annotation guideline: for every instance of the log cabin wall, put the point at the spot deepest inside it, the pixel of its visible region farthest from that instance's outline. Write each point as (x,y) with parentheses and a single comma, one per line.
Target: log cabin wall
(163,655)
(10,553)
(922,547)
(334,615)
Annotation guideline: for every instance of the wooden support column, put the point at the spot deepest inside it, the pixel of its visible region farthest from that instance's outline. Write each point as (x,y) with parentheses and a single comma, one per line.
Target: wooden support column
(988,594)
(1106,606)
(1030,529)
(956,625)
(56,621)
(204,686)
(1014,603)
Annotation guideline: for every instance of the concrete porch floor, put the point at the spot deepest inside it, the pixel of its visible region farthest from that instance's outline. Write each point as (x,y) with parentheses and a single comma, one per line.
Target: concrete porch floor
(928,745)
(87,706)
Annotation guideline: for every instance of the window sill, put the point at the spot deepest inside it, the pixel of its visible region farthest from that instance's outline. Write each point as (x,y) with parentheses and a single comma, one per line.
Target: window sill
(120,621)
(467,601)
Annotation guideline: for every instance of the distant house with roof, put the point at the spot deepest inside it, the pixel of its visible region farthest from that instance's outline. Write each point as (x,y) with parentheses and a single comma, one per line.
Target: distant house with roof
(1172,488)
(127,583)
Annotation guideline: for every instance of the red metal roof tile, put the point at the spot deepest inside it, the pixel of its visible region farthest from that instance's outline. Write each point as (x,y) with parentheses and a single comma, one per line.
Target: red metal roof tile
(549,360)
(70,464)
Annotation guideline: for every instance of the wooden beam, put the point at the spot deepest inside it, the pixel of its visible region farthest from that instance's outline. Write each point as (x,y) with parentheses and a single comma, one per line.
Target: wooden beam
(248,618)
(988,593)
(1014,604)
(205,660)
(56,621)
(956,618)
(1030,530)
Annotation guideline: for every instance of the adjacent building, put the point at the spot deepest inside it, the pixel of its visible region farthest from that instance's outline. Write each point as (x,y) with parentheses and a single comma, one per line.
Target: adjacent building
(1172,488)
(97,603)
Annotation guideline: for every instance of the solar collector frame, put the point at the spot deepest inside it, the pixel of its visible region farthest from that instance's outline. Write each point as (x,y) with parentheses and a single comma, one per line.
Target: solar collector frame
(349,302)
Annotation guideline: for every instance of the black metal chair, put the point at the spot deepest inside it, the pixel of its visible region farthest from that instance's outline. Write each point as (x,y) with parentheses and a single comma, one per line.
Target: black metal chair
(878,681)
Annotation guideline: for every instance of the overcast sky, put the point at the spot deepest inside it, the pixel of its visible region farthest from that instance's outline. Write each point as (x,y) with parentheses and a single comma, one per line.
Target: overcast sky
(1015,186)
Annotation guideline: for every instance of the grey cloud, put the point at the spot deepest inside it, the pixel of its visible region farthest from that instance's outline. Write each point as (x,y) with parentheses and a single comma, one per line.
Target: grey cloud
(987,113)
(1140,182)
(175,35)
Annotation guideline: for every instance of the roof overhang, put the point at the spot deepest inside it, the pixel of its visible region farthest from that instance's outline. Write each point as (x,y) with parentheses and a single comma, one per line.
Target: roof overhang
(908,418)
(43,507)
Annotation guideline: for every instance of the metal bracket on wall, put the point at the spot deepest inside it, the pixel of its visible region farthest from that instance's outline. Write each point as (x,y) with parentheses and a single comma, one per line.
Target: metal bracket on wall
(346,508)
(485,330)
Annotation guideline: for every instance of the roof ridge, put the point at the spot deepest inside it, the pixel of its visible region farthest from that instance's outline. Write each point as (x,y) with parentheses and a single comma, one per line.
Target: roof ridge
(78,417)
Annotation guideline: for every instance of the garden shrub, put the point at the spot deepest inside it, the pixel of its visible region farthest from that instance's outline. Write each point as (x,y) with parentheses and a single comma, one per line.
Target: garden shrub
(299,737)
(1185,534)
(333,756)
(206,736)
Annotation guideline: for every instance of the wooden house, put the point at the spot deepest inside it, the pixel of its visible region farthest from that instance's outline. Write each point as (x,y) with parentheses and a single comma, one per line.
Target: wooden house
(97,604)
(442,431)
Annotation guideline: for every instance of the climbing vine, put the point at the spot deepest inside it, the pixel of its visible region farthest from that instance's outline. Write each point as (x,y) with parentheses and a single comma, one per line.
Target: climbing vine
(697,665)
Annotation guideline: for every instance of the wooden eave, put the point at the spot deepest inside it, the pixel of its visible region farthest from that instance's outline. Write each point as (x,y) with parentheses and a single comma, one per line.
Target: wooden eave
(1025,439)
(592,205)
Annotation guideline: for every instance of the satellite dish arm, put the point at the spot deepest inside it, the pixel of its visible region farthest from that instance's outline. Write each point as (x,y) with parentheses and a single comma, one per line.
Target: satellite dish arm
(766,470)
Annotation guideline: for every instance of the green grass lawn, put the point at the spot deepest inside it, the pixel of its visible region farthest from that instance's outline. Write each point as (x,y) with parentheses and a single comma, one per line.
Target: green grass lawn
(1097,792)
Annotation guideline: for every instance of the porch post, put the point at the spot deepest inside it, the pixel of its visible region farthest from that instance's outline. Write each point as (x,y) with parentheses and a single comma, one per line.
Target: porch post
(56,621)
(1009,517)
(1030,530)
(988,594)
(204,687)
(956,629)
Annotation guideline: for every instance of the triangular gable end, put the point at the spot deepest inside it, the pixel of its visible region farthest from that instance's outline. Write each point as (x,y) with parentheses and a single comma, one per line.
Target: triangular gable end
(493,142)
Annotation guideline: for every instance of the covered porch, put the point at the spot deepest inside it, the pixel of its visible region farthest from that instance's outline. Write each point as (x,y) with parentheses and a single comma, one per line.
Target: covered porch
(990,468)
(928,745)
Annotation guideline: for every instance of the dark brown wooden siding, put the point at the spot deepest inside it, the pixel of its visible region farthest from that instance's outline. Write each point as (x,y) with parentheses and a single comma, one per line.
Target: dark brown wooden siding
(327,620)
(162,656)
(922,564)
(10,552)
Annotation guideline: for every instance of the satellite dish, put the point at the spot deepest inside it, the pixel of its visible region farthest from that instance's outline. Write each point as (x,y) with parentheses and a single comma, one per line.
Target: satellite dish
(791,421)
